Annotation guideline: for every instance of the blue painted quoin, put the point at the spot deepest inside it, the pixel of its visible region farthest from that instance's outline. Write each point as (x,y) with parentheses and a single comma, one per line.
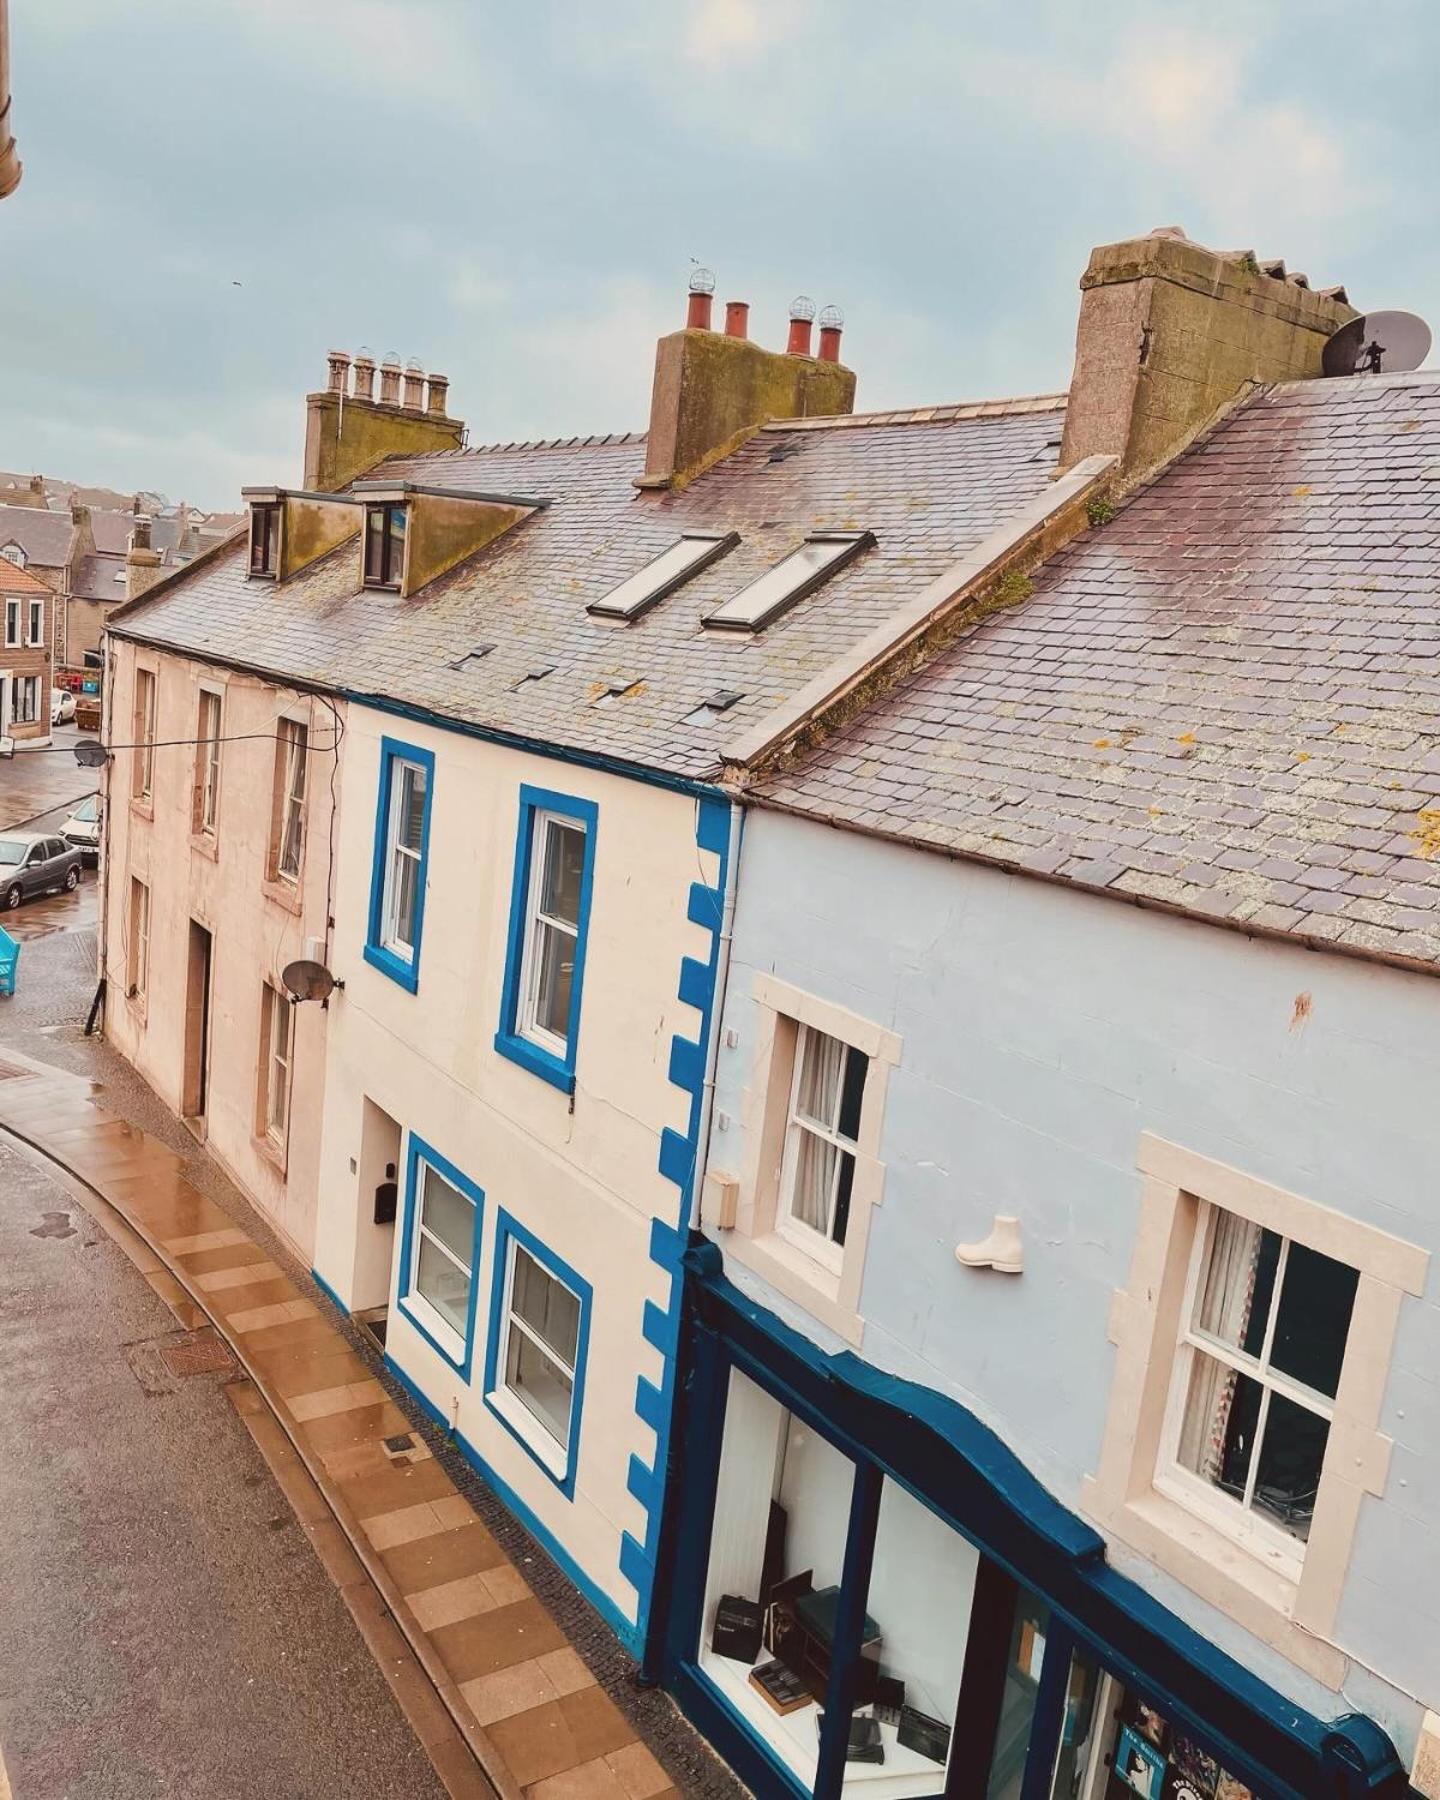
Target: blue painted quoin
(679,1157)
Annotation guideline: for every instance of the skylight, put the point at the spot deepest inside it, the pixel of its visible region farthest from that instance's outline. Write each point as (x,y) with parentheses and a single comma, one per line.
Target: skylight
(770,594)
(662,575)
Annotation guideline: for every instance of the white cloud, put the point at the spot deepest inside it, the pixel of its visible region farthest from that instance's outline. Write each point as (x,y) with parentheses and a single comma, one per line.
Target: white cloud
(726,31)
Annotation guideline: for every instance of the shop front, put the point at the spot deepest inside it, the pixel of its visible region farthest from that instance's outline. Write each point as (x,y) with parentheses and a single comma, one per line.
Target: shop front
(868,1595)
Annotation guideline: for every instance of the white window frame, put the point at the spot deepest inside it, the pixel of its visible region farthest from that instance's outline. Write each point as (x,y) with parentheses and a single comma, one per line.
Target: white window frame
(14,555)
(1227,1513)
(278,1023)
(536,1433)
(22,713)
(434,1322)
(137,973)
(792,1258)
(390,938)
(531,962)
(36,622)
(292,748)
(207,762)
(143,734)
(1131,1495)
(805,1237)
(12,622)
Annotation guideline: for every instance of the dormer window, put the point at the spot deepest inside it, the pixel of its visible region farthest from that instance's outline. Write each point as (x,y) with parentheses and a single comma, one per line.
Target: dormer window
(385,545)
(265,539)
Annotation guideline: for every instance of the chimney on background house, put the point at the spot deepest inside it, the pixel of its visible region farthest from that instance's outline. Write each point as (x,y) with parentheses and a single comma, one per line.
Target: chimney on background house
(142,562)
(347,430)
(713,388)
(1170,333)
(33,494)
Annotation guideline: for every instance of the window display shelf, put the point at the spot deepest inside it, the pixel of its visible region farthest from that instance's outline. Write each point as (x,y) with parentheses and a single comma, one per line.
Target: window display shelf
(793,1737)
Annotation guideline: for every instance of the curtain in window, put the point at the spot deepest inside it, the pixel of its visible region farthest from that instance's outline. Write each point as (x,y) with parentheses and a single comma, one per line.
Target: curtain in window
(1226,1298)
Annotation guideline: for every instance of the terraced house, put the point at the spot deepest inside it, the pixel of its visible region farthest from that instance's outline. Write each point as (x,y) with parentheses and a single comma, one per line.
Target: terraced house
(507,707)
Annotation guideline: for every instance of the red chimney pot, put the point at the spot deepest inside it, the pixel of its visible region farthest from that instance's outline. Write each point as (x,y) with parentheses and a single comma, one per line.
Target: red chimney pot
(697,313)
(737,318)
(802,315)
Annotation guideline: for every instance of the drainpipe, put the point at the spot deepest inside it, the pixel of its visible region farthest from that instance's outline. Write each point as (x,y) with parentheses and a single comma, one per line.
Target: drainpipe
(107,690)
(722,974)
(652,1656)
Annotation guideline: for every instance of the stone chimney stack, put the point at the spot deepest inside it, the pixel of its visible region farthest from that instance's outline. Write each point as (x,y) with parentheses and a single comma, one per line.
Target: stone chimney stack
(347,430)
(142,563)
(712,388)
(1171,332)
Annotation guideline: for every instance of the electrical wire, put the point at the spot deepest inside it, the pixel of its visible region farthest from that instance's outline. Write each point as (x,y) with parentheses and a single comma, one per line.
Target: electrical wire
(155,744)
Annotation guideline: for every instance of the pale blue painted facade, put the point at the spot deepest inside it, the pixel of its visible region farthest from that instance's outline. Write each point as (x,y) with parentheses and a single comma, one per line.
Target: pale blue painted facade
(1043,1031)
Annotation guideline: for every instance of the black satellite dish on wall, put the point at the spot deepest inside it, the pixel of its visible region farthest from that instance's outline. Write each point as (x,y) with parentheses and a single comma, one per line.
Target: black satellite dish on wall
(1378,343)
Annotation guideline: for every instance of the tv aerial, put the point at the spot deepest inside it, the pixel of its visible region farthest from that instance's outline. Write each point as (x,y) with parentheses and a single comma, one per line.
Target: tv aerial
(1378,343)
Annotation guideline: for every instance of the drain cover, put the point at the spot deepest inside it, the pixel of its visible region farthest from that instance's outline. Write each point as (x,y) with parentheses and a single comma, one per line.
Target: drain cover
(198,1353)
(397,1444)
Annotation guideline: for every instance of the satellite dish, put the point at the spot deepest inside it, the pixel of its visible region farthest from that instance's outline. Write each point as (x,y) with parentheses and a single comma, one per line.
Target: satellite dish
(90,754)
(307,980)
(1378,343)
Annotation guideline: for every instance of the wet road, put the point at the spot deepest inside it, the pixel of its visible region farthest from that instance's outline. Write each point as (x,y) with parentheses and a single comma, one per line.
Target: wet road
(165,1629)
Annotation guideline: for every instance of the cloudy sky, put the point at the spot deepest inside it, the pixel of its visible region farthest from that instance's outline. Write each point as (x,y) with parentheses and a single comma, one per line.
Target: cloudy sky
(216,191)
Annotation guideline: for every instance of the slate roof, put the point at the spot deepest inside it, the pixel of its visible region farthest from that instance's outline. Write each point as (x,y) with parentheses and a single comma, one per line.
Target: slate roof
(930,488)
(43,536)
(100,578)
(1225,701)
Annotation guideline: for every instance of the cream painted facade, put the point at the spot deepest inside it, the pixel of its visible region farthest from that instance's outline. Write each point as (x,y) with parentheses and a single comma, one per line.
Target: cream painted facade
(580,1172)
(221,882)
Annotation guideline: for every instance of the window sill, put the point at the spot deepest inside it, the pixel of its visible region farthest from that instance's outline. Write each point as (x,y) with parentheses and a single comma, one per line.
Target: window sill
(203,843)
(142,807)
(539,1062)
(277,1155)
(283,892)
(1220,1571)
(533,1438)
(798,1277)
(442,1338)
(403,974)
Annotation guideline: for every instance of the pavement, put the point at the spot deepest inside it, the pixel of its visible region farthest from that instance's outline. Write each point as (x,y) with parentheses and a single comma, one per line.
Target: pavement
(540,1690)
(168,1630)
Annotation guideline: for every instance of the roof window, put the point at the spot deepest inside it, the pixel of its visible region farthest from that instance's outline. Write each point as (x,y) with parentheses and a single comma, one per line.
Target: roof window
(799,574)
(536,674)
(662,575)
(265,539)
(385,544)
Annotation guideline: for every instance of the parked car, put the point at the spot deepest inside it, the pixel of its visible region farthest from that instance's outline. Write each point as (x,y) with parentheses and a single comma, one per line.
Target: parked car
(31,864)
(62,706)
(82,829)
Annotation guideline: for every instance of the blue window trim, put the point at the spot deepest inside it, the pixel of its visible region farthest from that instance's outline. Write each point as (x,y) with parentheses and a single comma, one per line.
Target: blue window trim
(416,1152)
(404,970)
(557,1070)
(508,1230)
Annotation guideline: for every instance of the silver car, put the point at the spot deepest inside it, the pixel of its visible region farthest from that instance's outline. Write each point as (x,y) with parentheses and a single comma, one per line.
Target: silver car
(33,863)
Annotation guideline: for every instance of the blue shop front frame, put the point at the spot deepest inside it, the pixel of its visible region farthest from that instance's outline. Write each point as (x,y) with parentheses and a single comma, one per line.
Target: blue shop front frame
(1029,1544)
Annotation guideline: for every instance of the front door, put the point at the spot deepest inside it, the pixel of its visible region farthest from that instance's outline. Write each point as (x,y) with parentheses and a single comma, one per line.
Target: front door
(197,1021)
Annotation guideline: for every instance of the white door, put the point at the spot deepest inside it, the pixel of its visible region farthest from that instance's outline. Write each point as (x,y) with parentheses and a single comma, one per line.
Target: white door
(7,692)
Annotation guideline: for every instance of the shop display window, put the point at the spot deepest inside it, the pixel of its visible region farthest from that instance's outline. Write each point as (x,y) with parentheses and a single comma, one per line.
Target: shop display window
(782,1517)
(1114,1746)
